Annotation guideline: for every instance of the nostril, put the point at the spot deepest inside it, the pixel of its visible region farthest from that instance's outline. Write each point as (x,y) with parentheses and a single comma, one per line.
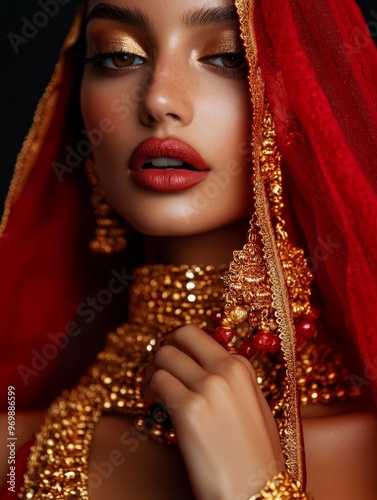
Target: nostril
(172,115)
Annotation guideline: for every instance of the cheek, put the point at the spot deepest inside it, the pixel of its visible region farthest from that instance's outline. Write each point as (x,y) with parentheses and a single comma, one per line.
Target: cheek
(95,103)
(226,126)
(219,131)
(106,101)
(110,101)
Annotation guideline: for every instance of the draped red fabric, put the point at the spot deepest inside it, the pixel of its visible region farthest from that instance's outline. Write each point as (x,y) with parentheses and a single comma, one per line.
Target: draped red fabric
(41,255)
(321,81)
(321,84)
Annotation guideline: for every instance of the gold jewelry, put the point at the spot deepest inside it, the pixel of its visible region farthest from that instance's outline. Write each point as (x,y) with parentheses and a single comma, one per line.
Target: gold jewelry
(282,487)
(110,232)
(248,294)
(162,298)
(268,284)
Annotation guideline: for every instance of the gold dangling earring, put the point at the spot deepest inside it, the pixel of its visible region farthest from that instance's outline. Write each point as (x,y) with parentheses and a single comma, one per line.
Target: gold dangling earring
(248,290)
(267,289)
(109,236)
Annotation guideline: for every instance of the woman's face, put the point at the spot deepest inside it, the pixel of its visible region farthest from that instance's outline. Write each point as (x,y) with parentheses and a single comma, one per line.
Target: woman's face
(165,82)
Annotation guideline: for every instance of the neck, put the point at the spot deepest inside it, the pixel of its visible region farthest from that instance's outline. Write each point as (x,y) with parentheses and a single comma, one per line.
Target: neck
(210,248)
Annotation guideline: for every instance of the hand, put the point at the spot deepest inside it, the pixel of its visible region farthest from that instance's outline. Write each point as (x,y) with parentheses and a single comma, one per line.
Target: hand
(225,429)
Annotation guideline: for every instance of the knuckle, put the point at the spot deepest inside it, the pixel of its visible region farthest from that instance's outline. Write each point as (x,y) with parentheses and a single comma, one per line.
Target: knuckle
(236,369)
(215,385)
(195,406)
(248,366)
(163,353)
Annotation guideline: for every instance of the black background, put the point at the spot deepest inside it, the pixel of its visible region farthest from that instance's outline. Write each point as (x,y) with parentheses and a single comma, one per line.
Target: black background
(25,75)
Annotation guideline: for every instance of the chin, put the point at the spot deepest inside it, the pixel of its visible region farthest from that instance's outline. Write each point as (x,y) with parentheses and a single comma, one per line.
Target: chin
(184,225)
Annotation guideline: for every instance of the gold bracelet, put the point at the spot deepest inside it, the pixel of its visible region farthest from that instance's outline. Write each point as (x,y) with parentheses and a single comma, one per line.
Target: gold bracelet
(282,487)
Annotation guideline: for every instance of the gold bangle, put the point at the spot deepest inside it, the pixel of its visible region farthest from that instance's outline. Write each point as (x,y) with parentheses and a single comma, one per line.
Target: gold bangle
(282,487)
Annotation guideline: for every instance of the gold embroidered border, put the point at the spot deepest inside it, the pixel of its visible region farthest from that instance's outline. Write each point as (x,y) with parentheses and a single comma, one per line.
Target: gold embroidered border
(293,446)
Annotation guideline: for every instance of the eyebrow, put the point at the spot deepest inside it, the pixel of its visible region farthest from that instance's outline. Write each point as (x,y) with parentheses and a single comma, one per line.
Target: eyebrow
(208,17)
(137,18)
(133,17)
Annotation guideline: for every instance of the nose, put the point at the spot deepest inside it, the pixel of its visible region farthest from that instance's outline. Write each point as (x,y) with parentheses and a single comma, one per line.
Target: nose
(166,101)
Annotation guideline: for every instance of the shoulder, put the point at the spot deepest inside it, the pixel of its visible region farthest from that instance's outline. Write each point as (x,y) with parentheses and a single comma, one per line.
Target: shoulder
(341,453)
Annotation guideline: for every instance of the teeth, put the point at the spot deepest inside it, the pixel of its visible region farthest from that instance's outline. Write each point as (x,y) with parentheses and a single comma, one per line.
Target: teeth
(166,162)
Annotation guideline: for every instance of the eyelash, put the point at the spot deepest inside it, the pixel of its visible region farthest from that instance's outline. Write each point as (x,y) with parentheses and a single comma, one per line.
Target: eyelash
(234,71)
(97,61)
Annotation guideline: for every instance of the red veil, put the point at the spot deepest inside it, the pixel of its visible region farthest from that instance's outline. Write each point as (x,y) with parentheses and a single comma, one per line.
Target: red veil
(320,81)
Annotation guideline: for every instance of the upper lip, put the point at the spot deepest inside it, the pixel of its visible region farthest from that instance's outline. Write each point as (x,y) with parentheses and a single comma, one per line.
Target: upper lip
(166,148)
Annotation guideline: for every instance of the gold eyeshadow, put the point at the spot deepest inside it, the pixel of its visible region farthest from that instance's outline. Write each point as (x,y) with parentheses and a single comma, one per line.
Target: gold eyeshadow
(119,43)
(225,42)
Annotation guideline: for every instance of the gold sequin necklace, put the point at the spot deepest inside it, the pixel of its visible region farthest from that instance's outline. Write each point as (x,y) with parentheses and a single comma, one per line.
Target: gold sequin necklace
(162,298)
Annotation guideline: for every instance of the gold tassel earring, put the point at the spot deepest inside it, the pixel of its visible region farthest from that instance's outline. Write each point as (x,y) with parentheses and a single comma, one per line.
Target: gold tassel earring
(267,292)
(248,293)
(110,233)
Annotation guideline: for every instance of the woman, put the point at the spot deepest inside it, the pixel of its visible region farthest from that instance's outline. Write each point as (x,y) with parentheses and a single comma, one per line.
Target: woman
(166,108)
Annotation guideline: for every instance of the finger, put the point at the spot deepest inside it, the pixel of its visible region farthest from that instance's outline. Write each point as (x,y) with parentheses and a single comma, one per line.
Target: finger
(199,346)
(148,374)
(164,388)
(180,365)
(176,362)
(263,404)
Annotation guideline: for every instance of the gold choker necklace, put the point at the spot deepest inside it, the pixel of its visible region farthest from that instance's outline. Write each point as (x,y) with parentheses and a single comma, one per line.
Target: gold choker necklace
(162,298)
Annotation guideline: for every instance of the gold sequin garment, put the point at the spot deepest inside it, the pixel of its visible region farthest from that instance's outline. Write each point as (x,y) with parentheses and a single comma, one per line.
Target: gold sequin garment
(162,298)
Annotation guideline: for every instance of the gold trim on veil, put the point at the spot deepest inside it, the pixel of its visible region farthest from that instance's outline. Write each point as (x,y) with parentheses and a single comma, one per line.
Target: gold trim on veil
(293,445)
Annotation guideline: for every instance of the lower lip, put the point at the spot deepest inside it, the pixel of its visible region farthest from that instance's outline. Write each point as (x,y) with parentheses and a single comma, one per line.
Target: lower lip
(167,181)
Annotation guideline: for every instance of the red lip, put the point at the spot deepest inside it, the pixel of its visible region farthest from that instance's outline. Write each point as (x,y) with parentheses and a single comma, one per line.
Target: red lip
(174,179)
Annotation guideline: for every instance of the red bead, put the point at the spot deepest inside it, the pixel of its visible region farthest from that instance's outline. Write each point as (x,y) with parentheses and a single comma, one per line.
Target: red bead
(217,316)
(313,315)
(306,329)
(262,341)
(247,350)
(275,344)
(248,338)
(224,335)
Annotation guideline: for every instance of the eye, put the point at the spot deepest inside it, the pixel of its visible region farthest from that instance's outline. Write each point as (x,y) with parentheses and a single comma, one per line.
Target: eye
(122,60)
(233,62)
(115,60)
